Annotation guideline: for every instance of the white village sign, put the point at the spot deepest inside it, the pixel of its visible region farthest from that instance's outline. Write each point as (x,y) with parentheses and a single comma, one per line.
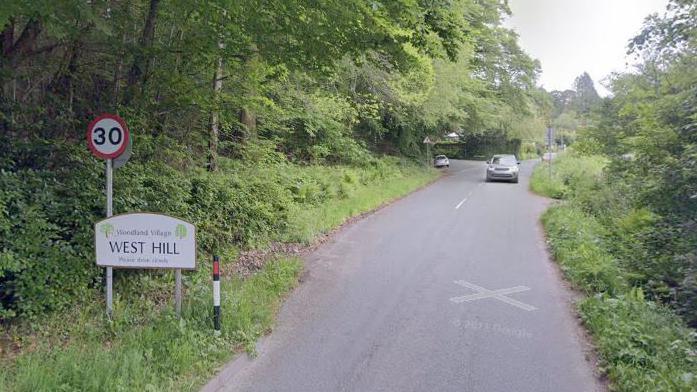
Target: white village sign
(145,240)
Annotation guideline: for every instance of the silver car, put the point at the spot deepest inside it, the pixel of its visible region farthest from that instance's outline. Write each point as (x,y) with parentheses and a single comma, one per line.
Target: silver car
(502,167)
(441,161)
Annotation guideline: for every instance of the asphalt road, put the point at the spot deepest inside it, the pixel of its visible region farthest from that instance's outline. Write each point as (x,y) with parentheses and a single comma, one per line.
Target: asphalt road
(407,300)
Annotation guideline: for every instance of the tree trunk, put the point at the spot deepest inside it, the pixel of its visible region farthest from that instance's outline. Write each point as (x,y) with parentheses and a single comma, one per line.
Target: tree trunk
(62,83)
(7,37)
(247,116)
(117,74)
(139,69)
(24,44)
(13,53)
(215,116)
(6,41)
(215,110)
(249,120)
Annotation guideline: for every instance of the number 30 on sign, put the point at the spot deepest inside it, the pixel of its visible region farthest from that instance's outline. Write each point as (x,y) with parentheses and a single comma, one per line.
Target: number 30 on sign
(107,136)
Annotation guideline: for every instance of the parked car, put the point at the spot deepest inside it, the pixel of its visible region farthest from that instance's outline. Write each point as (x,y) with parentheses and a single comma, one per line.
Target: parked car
(502,167)
(441,161)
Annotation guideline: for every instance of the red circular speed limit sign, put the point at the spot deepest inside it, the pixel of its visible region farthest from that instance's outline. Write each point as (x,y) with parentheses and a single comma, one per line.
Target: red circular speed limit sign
(107,136)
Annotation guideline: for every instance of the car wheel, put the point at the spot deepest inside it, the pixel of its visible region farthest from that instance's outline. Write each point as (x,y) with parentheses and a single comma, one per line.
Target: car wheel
(448,166)
(515,181)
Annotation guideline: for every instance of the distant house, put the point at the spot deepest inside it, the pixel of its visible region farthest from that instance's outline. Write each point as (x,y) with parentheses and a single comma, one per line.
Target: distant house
(452,137)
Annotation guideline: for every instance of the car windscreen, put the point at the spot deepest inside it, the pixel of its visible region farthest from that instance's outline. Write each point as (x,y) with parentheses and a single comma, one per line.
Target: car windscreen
(508,161)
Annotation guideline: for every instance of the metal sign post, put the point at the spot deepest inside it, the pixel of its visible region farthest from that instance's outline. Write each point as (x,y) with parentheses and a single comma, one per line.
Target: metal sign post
(428,155)
(109,213)
(550,140)
(178,292)
(107,138)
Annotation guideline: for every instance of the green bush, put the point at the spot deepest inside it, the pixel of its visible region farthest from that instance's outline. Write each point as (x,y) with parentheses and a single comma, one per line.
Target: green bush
(599,239)
(653,246)
(46,251)
(643,346)
(570,173)
(577,242)
(528,151)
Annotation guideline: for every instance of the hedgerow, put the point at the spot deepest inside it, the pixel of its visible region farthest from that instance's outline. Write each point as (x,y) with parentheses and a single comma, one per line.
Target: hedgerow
(48,208)
(597,235)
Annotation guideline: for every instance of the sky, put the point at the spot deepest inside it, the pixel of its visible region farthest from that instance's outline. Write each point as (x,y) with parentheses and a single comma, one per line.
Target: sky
(573,36)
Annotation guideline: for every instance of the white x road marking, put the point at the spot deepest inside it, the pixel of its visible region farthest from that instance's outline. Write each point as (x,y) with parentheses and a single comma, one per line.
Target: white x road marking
(496,294)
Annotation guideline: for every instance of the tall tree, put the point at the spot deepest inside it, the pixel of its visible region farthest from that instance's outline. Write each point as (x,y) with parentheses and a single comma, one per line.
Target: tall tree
(586,96)
(141,63)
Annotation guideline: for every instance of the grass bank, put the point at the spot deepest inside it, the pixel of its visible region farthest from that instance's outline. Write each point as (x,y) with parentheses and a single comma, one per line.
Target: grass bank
(568,174)
(145,347)
(643,345)
(307,223)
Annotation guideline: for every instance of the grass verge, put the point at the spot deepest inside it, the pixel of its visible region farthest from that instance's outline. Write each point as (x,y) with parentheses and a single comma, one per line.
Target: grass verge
(307,223)
(643,345)
(139,352)
(569,173)
(145,347)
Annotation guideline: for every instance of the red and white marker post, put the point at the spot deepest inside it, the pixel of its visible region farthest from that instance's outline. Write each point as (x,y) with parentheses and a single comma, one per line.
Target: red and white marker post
(216,294)
(107,138)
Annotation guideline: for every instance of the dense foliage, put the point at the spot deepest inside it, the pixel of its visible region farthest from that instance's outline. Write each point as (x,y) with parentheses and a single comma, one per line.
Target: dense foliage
(320,80)
(627,234)
(648,129)
(642,344)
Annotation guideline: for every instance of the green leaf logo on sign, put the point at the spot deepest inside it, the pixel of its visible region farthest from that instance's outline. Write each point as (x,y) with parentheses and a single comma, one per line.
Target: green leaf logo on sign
(107,229)
(180,231)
